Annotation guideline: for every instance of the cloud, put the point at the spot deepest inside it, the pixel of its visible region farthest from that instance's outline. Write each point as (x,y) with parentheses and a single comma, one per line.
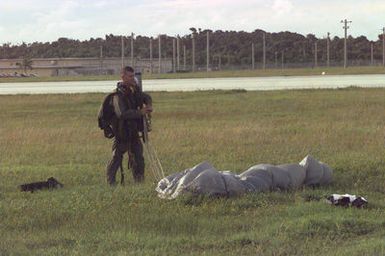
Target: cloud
(282,7)
(54,23)
(81,19)
(100,4)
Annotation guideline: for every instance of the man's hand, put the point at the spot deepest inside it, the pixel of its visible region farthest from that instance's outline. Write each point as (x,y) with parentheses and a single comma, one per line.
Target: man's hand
(146,110)
(108,133)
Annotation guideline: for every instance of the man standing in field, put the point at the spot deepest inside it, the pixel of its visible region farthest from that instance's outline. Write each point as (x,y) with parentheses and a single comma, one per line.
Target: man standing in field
(129,105)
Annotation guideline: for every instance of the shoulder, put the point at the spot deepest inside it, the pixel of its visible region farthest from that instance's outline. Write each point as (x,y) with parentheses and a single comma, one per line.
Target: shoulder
(109,96)
(116,94)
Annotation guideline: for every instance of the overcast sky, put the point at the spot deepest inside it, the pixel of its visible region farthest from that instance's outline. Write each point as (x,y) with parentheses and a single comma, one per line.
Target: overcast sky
(47,20)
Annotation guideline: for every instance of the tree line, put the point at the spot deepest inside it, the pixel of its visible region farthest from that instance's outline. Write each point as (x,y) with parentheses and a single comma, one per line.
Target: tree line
(226,47)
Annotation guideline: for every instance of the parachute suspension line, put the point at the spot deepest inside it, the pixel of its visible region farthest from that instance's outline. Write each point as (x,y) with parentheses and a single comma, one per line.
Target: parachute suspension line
(154,160)
(153,172)
(156,175)
(155,165)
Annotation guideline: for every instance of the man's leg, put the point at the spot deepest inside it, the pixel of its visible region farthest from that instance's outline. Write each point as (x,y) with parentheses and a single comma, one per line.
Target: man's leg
(118,149)
(136,160)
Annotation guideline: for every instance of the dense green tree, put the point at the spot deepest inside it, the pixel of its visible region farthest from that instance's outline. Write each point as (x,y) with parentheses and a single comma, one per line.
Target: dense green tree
(232,48)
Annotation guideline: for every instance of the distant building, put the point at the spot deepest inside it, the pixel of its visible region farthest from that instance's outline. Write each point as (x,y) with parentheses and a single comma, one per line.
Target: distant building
(82,66)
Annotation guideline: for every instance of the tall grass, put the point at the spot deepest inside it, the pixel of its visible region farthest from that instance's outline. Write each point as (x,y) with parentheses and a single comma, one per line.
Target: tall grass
(57,135)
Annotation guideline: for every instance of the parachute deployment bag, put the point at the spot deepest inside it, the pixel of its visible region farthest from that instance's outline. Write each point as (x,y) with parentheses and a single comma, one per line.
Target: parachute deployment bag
(105,116)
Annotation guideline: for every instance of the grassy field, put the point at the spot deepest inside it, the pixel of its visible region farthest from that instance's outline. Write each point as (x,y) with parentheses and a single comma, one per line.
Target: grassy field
(57,135)
(228,73)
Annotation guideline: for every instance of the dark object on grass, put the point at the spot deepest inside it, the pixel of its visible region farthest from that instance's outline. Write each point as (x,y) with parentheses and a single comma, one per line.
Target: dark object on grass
(309,198)
(359,202)
(50,184)
(347,200)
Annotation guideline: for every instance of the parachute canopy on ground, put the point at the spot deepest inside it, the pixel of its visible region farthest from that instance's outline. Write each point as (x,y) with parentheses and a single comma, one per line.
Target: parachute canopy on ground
(205,179)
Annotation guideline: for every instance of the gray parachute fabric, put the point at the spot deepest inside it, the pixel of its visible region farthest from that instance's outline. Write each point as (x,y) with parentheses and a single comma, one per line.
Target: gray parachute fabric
(317,173)
(175,184)
(257,179)
(213,183)
(296,173)
(204,179)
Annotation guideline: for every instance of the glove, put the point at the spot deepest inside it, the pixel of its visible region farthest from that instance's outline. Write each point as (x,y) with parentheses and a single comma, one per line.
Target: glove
(108,133)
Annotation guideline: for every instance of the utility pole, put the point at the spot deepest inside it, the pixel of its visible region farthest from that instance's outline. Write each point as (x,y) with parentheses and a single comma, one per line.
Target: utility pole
(276,59)
(264,51)
(208,52)
(383,46)
(184,57)
(328,50)
(160,56)
(252,57)
(101,59)
(371,54)
(304,52)
(132,50)
(173,55)
(282,58)
(220,62)
(177,53)
(315,54)
(150,55)
(228,60)
(122,43)
(345,27)
(193,52)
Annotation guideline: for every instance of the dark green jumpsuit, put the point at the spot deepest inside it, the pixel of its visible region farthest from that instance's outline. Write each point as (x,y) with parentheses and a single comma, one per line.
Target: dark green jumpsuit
(126,126)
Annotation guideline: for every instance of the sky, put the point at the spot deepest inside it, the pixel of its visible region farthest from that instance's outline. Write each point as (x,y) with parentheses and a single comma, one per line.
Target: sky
(47,20)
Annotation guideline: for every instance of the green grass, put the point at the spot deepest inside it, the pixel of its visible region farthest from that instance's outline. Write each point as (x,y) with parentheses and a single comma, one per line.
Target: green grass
(57,135)
(215,74)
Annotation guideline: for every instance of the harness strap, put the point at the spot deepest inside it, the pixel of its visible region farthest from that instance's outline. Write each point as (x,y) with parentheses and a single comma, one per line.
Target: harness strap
(121,173)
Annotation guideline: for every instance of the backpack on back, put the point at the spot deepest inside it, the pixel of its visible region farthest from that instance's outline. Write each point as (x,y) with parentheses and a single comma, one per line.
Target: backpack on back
(105,116)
